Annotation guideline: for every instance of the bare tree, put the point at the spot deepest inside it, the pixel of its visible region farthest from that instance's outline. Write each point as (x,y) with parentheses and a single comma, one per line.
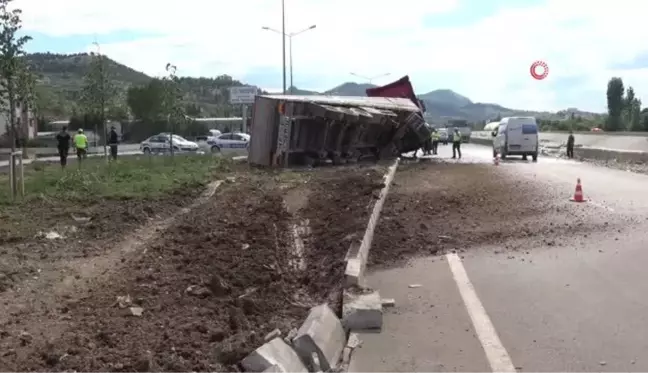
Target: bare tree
(11,51)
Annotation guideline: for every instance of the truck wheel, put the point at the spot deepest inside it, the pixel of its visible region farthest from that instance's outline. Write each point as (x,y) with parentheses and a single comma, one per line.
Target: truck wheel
(534,156)
(524,157)
(215,149)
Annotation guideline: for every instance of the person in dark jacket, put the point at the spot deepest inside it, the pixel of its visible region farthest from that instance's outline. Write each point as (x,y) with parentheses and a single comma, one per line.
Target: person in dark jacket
(570,145)
(63,144)
(113,141)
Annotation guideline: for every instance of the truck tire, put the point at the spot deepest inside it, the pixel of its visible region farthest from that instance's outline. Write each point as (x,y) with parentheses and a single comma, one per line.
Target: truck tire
(534,157)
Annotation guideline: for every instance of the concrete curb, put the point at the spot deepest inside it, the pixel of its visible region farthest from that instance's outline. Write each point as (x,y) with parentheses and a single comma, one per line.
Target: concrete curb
(356,258)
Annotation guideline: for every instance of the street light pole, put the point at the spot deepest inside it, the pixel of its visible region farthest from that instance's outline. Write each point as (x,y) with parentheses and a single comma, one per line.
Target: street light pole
(370,79)
(290,37)
(291,63)
(283,42)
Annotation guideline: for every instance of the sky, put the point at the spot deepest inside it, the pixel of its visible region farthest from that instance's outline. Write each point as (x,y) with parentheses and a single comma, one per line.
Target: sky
(482,49)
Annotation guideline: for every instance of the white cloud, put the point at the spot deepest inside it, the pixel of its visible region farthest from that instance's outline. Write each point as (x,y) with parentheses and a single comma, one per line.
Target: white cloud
(487,61)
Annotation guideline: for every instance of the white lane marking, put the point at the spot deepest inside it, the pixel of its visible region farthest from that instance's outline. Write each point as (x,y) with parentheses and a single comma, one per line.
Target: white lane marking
(498,358)
(601,206)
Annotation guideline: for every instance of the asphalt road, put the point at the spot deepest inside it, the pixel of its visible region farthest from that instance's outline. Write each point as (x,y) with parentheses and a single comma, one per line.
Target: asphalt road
(577,307)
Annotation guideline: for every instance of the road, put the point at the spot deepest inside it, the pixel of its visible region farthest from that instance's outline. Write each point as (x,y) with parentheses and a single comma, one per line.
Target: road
(581,306)
(72,158)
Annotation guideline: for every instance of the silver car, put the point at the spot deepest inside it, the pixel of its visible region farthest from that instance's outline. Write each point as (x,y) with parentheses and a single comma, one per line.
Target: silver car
(228,142)
(161,144)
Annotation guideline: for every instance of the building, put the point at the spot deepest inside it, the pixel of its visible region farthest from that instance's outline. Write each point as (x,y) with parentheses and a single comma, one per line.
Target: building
(25,122)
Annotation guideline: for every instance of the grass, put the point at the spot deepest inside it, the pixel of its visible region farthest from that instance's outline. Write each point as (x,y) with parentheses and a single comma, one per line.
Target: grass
(129,177)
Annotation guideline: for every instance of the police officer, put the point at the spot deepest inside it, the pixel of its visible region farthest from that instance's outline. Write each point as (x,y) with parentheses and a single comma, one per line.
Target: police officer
(570,145)
(456,143)
(81,144)
(435,141)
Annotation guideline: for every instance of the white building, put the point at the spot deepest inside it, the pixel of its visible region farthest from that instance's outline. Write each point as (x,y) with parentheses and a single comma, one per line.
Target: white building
(25,122)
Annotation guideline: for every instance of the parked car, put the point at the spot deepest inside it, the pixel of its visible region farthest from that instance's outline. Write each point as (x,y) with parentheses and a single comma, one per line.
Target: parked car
(161,144)
(443,136)
(228,142)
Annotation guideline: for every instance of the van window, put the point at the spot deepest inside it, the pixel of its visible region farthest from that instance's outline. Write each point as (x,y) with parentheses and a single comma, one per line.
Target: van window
(529,129)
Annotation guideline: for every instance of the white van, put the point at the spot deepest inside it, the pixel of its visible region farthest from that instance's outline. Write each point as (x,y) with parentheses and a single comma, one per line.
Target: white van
(516,136)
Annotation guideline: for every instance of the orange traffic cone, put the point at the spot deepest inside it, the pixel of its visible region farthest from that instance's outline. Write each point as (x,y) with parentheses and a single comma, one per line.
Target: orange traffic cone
(578,194)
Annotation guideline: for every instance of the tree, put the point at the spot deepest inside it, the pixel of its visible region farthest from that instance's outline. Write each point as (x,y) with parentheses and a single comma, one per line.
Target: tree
(11,50)
(172,102)
(615,103)
(146,102)
(97,95)
(632,111)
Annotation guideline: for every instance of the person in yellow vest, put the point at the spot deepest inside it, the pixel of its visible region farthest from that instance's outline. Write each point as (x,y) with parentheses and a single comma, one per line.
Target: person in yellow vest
(81,144)
(435,141)
(456,143)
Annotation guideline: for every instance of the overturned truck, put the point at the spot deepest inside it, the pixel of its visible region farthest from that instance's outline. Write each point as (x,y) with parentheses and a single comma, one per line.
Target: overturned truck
(290,130)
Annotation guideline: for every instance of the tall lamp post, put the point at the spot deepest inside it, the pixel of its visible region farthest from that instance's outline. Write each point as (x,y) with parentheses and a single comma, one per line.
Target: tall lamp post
(290,36)
(370,79)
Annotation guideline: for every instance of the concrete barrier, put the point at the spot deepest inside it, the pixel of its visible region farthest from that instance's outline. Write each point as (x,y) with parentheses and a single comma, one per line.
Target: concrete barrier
(272,355)
(321,334)
(356,259)
(621,156)
(634,141)
(361,309)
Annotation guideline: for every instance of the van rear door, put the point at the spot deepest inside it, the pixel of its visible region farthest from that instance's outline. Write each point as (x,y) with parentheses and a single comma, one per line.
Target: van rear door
(529,137)
(514,137)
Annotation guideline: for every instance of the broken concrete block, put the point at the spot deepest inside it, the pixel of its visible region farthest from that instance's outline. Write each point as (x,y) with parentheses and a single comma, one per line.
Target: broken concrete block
(321,334)
(362,310)
(354,341)
(272,335)
(273,369)
(388,302)
(276,352)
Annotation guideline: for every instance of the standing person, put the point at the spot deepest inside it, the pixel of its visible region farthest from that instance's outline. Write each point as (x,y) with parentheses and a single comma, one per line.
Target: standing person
(456,143)
(570,145)
(435,141)
(81,145)
(113,141)
(63,144)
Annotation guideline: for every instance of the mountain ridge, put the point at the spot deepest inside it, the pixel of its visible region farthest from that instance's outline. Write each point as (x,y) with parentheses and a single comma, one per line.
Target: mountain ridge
(60,80)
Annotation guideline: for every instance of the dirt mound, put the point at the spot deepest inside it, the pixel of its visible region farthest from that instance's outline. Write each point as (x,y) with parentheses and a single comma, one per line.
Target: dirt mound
(445,206)
(338,212)
(212,285)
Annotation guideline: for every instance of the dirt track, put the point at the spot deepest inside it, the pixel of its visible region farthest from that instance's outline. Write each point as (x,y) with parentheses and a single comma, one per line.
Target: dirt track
(437,206)
(210,286)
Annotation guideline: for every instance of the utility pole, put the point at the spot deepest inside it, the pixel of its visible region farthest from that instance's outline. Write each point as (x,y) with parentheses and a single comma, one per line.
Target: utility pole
(283,42)
(290,37)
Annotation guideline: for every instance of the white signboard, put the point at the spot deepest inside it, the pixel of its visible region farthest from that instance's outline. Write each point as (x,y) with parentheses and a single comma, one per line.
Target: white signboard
(243,95)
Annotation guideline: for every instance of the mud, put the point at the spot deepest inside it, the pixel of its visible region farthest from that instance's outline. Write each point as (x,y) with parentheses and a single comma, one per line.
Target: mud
(438,207)
(205,291)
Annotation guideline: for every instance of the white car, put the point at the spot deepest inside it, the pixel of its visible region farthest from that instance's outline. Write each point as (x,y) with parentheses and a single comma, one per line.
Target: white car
(162,144)
(228,142)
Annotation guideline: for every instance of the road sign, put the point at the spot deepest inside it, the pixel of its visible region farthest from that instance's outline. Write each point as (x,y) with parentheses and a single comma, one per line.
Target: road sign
(243,95)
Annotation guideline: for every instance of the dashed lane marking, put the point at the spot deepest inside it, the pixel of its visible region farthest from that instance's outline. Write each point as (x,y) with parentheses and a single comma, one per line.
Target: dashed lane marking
(498,358)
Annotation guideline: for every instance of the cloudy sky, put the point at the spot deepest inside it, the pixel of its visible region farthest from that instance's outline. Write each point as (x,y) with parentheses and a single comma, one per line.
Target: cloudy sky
(479,48)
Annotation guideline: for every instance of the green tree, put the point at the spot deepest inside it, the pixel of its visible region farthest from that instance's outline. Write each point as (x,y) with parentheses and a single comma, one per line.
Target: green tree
(97,96)
(172,103)
(11,50)
(632,111)
(615,104)
(146,102)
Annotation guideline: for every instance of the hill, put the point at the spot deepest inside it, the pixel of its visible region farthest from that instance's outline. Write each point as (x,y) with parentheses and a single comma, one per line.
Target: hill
(60,79)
